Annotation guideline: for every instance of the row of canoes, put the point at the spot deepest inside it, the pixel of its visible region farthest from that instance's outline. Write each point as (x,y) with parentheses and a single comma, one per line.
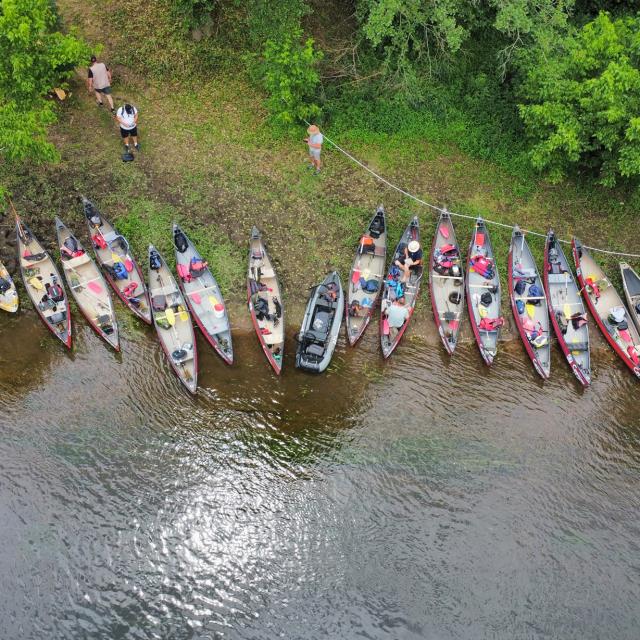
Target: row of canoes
(555,300)
(170,304)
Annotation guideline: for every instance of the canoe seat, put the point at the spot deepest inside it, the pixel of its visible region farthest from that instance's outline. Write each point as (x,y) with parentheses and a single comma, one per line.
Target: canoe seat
(379,251)
(267,273)
(559,278)
(76,262)
(110,236)
(578,346)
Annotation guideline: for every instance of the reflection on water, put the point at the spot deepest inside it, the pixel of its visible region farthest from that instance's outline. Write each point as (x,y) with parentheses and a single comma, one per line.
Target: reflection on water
(424,497)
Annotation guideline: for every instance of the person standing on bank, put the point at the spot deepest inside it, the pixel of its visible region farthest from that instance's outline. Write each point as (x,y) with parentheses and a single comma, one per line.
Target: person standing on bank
(128,119)
(314,141)
(99,80)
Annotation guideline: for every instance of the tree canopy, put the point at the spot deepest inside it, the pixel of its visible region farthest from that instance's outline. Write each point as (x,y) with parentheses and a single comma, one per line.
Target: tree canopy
(34,58)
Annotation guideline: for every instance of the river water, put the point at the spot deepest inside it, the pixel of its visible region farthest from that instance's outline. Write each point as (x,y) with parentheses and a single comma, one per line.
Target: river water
(419,498)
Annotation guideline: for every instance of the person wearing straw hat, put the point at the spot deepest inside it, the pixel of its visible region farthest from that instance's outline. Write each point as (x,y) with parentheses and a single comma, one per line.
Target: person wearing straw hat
(411,259)
(314,141)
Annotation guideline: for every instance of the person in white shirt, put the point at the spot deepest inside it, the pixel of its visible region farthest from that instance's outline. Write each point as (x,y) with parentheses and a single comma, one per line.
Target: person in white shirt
(314,141)
(128,119)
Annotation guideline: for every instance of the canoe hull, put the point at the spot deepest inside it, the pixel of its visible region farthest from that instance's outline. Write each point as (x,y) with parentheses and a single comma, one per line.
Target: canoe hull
(64,335)
(582,279)
(581,373)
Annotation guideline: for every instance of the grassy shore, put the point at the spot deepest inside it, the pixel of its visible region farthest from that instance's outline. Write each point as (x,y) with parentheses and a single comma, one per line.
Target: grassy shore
(211,161)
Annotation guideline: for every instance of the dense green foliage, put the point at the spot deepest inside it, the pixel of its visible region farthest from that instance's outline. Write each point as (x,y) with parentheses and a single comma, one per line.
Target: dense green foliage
(584,102)
(34,58)
(290,77)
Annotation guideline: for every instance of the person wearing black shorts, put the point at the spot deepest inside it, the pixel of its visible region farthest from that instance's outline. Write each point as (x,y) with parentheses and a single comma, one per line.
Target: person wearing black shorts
(128,119)
(99,80)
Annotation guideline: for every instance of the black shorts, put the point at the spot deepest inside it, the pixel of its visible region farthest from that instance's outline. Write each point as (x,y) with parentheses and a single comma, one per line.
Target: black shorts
(106,91)
(125,133)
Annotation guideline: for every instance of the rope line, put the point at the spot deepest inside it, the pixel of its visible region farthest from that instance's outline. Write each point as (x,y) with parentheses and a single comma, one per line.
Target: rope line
(460,215)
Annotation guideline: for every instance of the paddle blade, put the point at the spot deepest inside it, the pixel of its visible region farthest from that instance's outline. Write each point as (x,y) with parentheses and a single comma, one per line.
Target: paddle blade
(355,277)
(128,265)
(444,231)
(531,310)
(95,287)
(385,327)
(195,297)
(170,316)
(184,316)
(567,311)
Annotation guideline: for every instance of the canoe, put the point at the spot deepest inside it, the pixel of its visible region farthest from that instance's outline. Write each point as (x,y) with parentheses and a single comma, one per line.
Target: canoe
(203,295)
(602,299)
(43,284)
(530,308)
(483,292)
(172,321)
(566,309)
(8,293)
(321,325)
(446,283)
(112,251)
(631,286)
(390,336)
(265,301)
(87,286)
(366,272)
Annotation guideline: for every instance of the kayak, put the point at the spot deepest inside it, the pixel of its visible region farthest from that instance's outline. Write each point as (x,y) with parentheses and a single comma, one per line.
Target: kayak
(529,303)
(43,284)
(566,309)
(172,321)
(446,283)
(631,286)
(265,301)
(118,265)
(483,292)
(607,308)
(394,289)
(321,325)
(203,295)
(365,278)
(87,286)
(8,293)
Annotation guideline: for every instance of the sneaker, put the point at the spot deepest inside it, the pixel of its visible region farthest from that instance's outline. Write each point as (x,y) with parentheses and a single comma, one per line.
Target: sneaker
(113,110)
(137,146)
(99,104)
(127,149)
(316,172)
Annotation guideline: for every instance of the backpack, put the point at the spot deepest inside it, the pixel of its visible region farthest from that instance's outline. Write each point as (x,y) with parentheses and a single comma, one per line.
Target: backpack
(55,292)
(520,287)
(535,292)
(486,298)
(71,244)
(377,227)
(197,266)
(180,241)
(370,286)
(155,262)
(99,242)
(5,285)
(394,271)
(159,302)
(120,271)
(520,306)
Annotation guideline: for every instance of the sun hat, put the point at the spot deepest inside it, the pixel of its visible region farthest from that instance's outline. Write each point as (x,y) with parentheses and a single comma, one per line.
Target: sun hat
(313,129)
(414,245)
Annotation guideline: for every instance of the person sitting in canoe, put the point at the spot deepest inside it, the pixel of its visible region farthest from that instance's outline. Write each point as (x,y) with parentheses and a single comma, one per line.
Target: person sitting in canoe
(410,258)
(396,315)
(197,267)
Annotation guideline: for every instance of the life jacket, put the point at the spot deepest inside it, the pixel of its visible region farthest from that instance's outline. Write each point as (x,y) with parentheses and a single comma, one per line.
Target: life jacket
(449,249)
(127,292)
(98,241)
(490,324)
(633,354)
(595,289)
